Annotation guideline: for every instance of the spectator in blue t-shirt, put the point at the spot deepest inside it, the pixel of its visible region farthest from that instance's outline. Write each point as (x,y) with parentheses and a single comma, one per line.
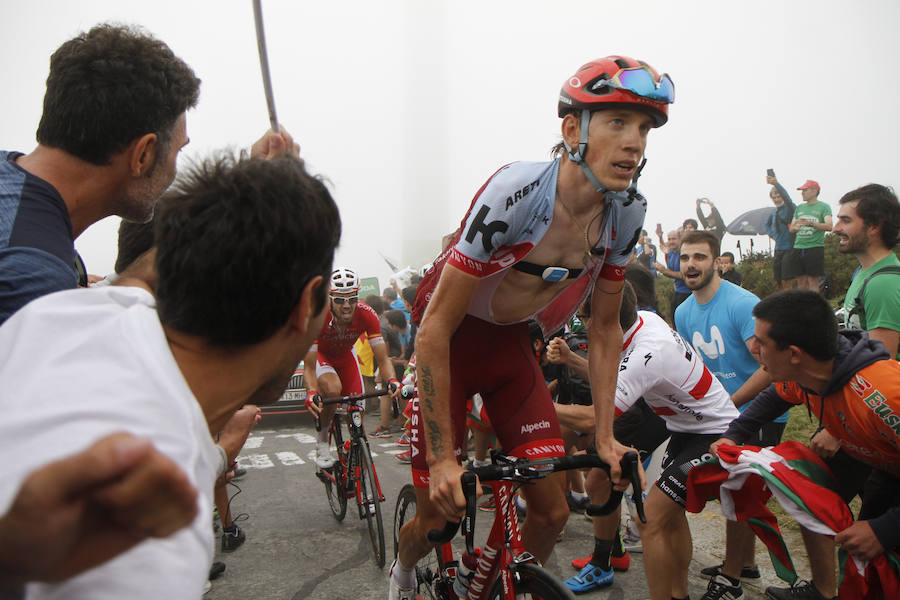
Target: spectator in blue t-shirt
(777,228)
(718,321)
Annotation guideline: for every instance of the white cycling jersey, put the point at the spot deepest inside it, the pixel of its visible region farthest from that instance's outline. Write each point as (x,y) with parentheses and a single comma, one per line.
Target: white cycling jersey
(660,366)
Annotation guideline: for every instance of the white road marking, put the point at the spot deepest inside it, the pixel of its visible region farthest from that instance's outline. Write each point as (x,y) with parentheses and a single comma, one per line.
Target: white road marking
(254,442)
(255,461)
(289,458)
(302,438)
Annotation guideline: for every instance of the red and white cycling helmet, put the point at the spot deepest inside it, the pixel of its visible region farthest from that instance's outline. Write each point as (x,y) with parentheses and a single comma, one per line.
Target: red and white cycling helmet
(618,81)
(344,280)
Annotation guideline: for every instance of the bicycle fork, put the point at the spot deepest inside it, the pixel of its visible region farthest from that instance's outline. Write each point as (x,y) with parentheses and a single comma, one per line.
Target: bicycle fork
(503,547)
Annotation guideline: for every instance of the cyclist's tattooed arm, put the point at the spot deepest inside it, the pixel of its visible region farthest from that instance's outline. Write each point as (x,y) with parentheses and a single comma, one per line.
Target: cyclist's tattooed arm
(434,430)
(445,312)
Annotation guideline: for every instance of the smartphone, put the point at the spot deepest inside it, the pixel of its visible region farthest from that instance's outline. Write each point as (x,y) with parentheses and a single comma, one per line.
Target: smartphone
(770,172)
(659,228)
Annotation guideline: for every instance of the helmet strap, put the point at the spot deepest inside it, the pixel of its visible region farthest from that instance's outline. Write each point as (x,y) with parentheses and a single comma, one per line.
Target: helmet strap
(632,189)
(578,156)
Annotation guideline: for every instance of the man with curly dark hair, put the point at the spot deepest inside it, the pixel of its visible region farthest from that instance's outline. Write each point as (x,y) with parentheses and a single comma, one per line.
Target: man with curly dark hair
(226,328)
(108,140)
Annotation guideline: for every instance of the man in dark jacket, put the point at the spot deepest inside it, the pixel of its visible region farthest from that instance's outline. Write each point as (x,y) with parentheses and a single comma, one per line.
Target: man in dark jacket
(852,385)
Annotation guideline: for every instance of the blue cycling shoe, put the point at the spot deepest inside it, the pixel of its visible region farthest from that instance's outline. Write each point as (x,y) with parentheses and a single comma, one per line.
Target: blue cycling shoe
(590,578)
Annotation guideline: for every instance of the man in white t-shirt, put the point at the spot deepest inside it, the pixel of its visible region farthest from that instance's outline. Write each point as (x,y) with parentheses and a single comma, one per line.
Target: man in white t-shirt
(660,367)
(229,323)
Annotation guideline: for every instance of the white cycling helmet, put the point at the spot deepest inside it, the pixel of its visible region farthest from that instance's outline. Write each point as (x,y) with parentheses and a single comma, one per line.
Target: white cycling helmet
(344,280)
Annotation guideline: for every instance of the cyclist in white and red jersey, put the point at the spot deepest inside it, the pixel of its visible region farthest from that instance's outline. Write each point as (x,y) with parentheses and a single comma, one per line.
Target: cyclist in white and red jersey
(331,364)
(538,238)
(658,365)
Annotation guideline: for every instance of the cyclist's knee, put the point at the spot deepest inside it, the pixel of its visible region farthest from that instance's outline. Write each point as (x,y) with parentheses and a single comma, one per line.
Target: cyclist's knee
(428,516)
(547,508)
(329,387)
(597,485)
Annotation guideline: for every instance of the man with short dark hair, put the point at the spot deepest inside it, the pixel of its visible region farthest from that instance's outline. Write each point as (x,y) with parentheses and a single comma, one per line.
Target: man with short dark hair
(727,270)
(176,367)
(717,320)
(852,385)
(108,141)
(811,220)
(867,224)
(659,368)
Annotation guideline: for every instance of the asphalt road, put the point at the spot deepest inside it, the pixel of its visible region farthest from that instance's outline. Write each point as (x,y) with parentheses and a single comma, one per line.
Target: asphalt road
(295,548)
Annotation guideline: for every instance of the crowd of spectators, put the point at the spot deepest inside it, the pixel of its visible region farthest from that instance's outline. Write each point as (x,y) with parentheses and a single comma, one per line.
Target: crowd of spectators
(221,327)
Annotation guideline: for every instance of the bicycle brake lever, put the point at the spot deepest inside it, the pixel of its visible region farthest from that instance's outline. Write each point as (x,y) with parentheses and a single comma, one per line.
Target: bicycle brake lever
(630,462)
(469,483)
(317,400)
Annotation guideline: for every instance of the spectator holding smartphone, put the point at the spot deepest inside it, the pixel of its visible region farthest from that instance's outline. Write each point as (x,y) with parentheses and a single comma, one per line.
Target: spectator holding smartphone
(778,228)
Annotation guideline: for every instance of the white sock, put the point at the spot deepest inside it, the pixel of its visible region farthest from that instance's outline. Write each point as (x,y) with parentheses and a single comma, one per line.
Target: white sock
(578,495)
(480,463)
(404,576)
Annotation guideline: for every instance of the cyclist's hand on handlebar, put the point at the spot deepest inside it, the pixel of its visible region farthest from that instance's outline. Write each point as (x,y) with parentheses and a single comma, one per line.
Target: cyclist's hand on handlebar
(394,389)
(445,490)
(314,403)
(611,452)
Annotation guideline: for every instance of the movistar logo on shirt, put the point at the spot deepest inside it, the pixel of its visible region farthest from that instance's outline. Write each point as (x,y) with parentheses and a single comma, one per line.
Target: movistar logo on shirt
(714,347)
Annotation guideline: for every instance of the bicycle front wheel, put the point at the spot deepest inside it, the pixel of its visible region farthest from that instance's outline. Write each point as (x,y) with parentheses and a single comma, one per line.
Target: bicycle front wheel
(428,570)
(370,500)
(532,581)
(336,491)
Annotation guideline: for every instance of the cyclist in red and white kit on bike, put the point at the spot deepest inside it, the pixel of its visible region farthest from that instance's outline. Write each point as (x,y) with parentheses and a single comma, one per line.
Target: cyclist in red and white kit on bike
(537,240)
(331,364)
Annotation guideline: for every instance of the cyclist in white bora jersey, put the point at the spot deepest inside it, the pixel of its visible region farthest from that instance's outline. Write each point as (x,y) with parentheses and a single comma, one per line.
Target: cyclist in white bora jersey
(659,366)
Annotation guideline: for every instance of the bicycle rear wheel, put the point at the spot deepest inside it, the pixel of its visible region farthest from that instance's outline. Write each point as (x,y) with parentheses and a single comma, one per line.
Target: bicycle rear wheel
(371,502)
(532,582)
(428,570)
(336,492)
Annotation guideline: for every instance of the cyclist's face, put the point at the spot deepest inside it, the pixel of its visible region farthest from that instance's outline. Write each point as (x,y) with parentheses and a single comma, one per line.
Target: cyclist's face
(343,305)
(616,141)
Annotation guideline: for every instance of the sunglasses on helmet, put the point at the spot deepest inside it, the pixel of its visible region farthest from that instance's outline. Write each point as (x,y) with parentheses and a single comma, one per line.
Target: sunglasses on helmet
(340,300)
(640,81)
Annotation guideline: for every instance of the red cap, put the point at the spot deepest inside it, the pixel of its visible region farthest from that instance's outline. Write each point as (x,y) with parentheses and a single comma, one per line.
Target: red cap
(810,184)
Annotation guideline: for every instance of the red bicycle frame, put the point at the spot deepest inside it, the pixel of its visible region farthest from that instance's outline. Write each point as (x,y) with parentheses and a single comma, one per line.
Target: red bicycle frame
(502,548)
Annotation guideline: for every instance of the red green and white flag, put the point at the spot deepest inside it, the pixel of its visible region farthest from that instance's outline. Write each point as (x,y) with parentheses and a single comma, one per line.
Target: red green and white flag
(745,477)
